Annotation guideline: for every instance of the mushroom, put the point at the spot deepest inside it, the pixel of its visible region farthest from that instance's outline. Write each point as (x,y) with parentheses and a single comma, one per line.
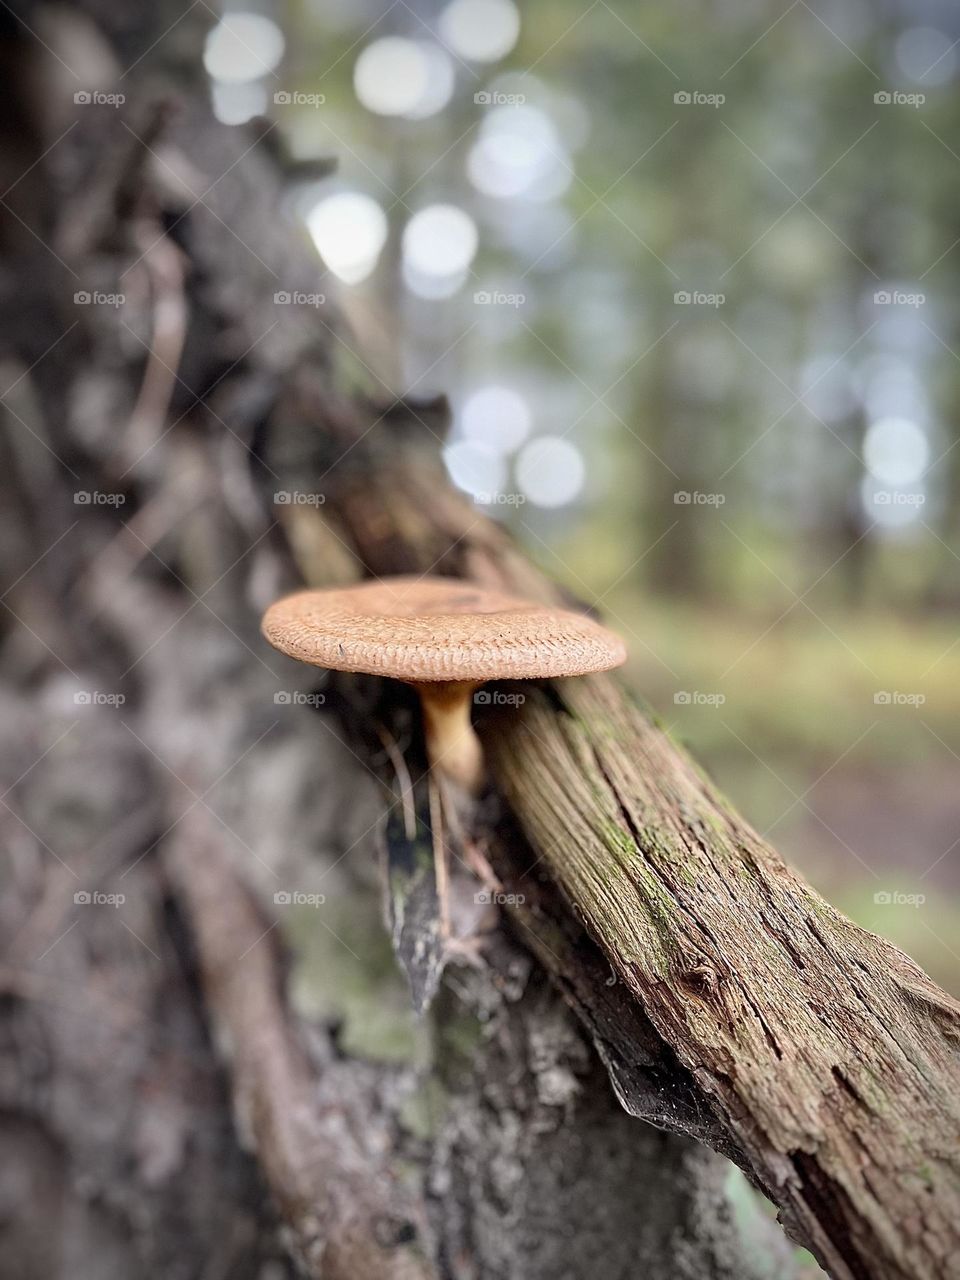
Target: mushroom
(446,638)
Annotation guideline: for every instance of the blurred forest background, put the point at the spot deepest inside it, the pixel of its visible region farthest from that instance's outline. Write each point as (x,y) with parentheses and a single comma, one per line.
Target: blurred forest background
(688,274)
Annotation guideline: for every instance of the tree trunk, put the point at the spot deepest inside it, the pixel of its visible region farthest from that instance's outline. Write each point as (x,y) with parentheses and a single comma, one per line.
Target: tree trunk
(200,1077)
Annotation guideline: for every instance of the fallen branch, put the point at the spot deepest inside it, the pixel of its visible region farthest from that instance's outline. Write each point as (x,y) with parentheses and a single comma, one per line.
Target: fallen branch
(825,1058)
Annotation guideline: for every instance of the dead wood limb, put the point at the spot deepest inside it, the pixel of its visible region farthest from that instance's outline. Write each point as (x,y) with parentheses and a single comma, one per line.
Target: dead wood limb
(828,1059)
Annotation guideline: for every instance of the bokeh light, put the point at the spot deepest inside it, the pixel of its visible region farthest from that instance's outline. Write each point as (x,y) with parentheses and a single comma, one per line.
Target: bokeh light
(440,241)
(349,230)
(550,471)
(895,451)
(480,30)
(432,287)
(892,387)
(475,469)
(497,417)
(441,78)
(394,76)
(243,46)
(892,508)
(926,56)
(235,103)
(519,153)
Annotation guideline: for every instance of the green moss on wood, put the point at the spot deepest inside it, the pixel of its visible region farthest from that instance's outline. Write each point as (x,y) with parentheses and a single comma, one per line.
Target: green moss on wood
(344,971)
(422,1114)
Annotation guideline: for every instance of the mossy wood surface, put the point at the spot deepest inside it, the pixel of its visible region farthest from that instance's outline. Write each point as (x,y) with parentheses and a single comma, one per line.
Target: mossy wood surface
(827,1058)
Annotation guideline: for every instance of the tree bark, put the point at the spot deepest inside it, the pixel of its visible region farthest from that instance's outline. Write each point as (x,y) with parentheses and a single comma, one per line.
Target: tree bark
(728,1004)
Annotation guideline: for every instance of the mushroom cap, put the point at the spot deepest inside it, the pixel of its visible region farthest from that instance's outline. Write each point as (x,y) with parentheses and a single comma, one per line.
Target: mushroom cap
(438,629)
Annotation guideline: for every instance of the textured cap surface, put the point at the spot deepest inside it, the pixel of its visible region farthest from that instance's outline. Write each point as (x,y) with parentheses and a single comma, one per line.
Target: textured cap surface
(424,629)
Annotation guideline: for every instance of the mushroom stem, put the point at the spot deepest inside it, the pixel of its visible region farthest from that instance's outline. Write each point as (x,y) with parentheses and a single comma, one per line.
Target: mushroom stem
(452,745)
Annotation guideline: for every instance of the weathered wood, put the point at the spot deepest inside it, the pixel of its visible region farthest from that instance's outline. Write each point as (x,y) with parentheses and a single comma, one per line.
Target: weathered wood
(829,1059)
(829,1056)
(726,999)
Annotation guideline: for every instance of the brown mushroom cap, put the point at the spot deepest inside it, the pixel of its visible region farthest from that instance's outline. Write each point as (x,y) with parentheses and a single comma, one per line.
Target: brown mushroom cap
(438,629)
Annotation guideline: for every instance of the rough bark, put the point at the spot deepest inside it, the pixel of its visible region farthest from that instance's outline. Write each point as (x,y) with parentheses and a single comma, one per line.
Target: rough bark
(726,1001)
(826,1057)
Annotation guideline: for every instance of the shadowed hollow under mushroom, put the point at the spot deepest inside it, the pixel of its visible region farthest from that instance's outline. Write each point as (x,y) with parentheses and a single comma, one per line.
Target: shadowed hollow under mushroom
(445,638)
